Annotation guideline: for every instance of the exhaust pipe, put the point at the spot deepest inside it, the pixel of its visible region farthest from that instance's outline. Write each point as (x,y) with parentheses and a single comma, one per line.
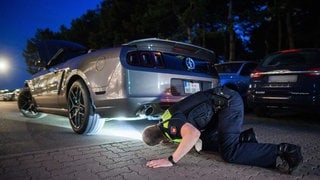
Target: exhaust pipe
(146,110)
(150,112)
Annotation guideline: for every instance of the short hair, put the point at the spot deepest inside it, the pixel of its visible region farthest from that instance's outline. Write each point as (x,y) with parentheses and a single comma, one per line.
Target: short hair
(152,135)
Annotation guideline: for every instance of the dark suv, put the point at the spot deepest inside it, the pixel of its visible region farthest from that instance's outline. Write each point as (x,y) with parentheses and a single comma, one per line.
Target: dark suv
(287,79)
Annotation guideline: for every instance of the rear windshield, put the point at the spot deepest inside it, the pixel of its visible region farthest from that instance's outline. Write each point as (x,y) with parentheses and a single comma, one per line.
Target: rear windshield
(293,59)
(228,68)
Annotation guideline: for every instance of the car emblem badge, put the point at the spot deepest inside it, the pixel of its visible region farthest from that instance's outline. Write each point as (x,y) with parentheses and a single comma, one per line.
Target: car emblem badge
(190,63)
(100,63)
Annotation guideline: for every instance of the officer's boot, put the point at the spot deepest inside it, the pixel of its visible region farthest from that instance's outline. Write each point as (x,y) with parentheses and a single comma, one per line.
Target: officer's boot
(248,136)
(290,156)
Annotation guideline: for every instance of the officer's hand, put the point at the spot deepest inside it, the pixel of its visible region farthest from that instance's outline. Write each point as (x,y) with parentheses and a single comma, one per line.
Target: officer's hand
(159,163)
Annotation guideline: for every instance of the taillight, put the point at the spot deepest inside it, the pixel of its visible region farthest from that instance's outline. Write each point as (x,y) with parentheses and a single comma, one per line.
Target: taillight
(314,72)
(145,59)
(255,74)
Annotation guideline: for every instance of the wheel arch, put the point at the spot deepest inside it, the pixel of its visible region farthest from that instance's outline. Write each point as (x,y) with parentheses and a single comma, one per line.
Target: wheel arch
(81,77)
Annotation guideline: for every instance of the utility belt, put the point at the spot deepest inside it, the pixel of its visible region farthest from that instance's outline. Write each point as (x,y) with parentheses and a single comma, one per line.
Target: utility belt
(220,100)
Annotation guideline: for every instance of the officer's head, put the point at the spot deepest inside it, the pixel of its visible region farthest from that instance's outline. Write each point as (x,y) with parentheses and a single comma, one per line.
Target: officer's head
(152,135)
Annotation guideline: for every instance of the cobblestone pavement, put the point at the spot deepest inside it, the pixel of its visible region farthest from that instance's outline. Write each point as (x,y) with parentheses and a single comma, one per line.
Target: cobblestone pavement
(126,160)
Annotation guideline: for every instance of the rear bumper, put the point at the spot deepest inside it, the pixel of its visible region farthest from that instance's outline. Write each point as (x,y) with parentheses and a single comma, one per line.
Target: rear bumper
(134,107)
(303,102)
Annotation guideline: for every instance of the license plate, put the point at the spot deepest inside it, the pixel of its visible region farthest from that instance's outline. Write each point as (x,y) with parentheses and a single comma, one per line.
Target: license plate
(284,78)
(191,87)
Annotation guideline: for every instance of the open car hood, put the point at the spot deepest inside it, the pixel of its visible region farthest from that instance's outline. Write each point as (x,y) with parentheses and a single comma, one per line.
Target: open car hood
(47,49)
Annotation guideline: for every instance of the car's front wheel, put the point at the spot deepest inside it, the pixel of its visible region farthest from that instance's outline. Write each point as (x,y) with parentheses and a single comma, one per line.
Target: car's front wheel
(81,110)
(27,105)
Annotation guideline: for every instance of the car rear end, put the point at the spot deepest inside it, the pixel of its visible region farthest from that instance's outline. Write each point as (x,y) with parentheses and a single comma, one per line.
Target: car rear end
(286,79)
(229,74)
(159,73)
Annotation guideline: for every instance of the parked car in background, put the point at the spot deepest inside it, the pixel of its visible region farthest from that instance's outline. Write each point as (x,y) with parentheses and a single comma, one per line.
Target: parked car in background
(2,91)
(8,95)
(288,79)
(137,80)
(236,75)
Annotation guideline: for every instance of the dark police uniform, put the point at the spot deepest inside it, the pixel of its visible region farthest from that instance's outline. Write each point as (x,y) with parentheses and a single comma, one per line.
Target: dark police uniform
(218,114)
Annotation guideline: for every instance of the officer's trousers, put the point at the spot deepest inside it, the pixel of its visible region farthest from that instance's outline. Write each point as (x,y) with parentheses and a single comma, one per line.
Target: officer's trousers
(229,127)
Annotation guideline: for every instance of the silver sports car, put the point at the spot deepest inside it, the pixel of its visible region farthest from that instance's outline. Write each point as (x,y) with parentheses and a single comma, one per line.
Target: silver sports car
(137,80)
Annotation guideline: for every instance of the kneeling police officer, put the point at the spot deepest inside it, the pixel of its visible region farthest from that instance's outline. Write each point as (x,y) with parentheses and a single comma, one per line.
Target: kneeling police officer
(214,117)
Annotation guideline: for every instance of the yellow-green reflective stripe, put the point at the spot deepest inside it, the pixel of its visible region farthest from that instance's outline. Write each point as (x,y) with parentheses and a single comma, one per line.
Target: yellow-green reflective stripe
(176,140)
(168,136)
(172,140)
(165,116)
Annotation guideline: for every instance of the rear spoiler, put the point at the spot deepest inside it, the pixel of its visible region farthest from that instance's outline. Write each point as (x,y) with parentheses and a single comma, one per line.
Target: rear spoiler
(173,47)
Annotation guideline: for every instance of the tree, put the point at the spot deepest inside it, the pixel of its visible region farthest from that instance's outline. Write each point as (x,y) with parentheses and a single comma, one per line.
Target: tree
(233,29)
(82,29)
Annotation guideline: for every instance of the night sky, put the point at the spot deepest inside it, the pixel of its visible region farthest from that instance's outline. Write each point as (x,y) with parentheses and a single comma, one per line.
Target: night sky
(19,20)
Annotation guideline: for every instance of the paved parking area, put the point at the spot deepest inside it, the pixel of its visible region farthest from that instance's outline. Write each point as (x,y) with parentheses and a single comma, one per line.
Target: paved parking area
(126,159)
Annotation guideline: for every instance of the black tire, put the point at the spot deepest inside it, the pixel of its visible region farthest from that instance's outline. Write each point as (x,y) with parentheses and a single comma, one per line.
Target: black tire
(82,118)
(27,105)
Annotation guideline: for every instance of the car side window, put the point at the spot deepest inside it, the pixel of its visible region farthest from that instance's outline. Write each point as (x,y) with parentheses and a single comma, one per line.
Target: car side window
(57,59)
(63,55)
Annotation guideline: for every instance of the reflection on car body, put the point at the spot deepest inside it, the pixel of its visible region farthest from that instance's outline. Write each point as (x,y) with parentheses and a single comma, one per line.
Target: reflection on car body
(136,80)
(236,75)
(286,79)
